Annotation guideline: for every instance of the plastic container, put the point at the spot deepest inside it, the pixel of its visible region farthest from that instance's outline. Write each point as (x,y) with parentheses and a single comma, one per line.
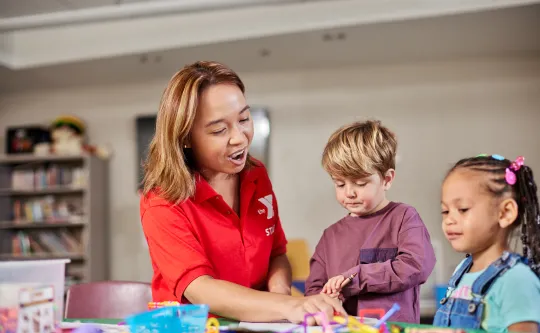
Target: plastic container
(188,318)
(16,275)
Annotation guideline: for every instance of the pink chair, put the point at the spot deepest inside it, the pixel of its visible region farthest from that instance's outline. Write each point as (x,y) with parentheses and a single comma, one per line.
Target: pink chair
(107,299)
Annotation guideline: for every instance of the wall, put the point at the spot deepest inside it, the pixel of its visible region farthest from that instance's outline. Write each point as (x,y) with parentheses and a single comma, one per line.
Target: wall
(440,112)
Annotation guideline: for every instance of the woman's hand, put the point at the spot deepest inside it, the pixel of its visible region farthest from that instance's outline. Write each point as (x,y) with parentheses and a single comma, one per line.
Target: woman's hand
(296,309)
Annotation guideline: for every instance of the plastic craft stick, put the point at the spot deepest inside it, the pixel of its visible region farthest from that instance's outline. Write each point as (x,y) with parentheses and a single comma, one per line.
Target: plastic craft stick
(433,330)
(362,312)
(212,325)
(323,319)
(340,322)
(325,323)
(355,326)
(395,308)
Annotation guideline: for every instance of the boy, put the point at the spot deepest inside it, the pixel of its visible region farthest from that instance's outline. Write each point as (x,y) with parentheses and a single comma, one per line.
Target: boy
(380,252)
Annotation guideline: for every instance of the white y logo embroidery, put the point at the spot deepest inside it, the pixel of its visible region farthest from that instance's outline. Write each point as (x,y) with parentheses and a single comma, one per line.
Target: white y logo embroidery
(267,202)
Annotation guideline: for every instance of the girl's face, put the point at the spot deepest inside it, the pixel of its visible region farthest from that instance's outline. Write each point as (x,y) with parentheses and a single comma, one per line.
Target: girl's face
(222,131)
(470,214)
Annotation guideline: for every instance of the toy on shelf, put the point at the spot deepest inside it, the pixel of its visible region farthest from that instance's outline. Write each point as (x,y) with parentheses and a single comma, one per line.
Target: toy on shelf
(68,138)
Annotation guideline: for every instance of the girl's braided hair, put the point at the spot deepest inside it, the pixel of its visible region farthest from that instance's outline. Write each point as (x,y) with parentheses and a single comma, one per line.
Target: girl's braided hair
(505,176)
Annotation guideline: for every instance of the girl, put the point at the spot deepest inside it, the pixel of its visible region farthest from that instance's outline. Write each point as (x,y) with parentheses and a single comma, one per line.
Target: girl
(483,199)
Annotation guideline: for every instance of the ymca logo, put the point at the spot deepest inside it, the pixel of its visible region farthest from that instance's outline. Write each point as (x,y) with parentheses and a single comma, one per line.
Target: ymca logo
(267,202)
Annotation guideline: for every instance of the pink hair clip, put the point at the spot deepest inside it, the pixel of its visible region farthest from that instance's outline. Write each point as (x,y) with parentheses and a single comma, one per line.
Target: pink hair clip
(510,175)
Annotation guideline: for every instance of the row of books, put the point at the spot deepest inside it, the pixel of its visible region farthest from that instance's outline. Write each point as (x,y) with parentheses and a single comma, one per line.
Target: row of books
(47,177)
(47,209)
(45,242)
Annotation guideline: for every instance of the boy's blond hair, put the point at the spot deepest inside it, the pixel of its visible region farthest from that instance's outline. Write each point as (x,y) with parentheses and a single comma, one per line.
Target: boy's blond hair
(360,149)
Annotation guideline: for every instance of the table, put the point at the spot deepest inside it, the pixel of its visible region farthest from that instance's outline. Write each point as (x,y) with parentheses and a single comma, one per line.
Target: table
(227,322)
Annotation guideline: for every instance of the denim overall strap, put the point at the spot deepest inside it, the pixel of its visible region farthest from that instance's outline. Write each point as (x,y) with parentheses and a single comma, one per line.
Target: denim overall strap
(469,313)
(464,268)
(454,280)
(442,316)
(482,284)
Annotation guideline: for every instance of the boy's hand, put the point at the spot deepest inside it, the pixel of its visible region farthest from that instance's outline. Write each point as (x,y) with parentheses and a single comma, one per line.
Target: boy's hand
(333,286)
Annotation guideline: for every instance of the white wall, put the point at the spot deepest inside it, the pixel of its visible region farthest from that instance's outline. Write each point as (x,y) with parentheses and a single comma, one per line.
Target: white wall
(440,111)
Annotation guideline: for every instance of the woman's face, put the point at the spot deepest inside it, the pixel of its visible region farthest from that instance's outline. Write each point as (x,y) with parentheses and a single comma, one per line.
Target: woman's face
(222,131)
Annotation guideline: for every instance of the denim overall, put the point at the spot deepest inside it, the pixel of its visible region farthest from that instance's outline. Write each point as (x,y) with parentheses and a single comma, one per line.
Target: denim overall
(467,314)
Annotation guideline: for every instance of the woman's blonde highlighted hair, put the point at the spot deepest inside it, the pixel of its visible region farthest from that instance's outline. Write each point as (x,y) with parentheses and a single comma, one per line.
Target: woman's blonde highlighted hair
(360,149)
(169,166)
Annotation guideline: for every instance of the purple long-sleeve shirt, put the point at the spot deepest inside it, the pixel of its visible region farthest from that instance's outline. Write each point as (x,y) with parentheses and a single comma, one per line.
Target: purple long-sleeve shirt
(390,250)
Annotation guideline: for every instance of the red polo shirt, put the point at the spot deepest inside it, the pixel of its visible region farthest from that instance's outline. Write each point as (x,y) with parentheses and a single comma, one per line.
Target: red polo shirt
(204,236)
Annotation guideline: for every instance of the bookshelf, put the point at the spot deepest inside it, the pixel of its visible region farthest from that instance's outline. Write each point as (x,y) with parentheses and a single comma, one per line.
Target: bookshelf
(56,207)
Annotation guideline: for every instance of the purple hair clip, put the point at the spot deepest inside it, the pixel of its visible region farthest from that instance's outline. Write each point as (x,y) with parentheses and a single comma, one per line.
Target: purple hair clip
(510,175)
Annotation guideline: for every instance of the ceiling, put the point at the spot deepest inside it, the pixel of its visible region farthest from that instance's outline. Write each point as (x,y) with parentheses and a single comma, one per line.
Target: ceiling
(19,8)
(14,8)
(498,32)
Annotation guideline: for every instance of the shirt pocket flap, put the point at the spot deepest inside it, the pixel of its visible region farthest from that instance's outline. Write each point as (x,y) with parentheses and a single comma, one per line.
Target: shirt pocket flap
(370,256)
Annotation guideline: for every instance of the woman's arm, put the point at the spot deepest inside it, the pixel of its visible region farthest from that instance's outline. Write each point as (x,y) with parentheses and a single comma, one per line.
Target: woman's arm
(280,275)
(244,304)
(188,273)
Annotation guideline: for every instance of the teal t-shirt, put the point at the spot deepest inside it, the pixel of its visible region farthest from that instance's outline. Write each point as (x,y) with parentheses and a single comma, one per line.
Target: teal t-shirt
(514,297)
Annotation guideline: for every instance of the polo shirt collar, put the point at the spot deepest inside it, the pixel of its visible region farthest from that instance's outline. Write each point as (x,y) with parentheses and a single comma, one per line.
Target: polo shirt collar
(203,190)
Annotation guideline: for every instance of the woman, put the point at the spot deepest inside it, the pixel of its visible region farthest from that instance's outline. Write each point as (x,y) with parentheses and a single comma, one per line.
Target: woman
(208,210)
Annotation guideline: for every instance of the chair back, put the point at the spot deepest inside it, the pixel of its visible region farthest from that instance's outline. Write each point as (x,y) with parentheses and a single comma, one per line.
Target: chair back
(107,299)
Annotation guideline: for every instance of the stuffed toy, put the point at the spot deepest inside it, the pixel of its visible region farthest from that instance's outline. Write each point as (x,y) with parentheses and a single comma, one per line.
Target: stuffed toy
(68,138)
(67,133)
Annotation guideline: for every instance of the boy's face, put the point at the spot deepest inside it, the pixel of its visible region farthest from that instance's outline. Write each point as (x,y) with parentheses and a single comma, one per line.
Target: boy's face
(363,196)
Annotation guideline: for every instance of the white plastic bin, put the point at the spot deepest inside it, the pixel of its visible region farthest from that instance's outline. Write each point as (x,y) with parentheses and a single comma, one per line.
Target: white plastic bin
(33,273)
